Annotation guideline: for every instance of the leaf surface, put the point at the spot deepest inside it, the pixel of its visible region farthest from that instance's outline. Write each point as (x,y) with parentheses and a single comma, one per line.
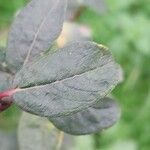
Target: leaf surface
(100,116)
(36,133)
(5,81)
(34,31)
(71,79)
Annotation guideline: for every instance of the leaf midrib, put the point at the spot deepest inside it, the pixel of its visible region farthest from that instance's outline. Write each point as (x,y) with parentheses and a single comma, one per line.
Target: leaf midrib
(36,34)
(42,84)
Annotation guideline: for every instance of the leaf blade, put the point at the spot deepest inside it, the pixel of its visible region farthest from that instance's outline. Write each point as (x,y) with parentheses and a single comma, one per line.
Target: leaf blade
(77,58)
(49,90)
(34,31)
(102,115)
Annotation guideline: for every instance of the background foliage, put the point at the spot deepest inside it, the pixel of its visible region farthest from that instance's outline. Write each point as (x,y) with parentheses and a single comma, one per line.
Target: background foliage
(125,30)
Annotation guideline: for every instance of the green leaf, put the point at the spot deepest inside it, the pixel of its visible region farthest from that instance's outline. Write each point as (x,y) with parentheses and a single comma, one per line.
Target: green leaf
(100,116)
(71,79)
(34,31)
(5,81)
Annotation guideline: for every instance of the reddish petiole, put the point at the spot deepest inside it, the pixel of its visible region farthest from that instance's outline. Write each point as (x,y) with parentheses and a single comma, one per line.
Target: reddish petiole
(6,99)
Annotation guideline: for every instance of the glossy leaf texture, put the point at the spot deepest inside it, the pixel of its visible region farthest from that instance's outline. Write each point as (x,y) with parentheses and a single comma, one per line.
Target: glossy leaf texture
(38,133)
(100,116)
(34,30)
(70,80)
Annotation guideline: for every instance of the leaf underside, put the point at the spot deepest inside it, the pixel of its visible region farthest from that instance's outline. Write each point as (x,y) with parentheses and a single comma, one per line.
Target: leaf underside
(100,116)
(34,31)
(70,80)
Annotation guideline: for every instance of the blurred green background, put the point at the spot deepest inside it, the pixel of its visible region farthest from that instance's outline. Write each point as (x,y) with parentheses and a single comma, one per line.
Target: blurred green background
(125,29)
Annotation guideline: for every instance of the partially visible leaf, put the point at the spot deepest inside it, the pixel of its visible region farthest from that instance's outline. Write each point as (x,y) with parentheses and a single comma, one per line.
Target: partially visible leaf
(34,30)
(73,32)
(71,79)
(5,81)
(36,133)
(100,116)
